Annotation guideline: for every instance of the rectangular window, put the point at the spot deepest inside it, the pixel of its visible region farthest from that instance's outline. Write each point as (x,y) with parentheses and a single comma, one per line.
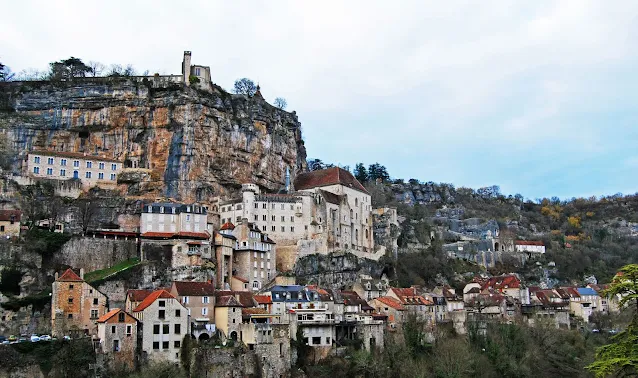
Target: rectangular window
(129,330)
(162,303)
(185,300)
(178,329)
(63,172)
(263,206)
(178,313)
(177,344)
(89,164)
(94,314)
(166,328)
(205,300)
(162,314)
(100,176)
(283,229)
(70,300)
(156,345)
(292,219)
(116,345)
(292,229)
(156,329)
(263,228)
(76,163)
(164,344)
(50,161)
(101,165)
(36,160)
(63,162)
(120,317)
(114,167)
(49,171)
(256,205)
(88,175)
(36,170)
(283,219)
(112,176)
(273,228)
(255,217)
(272,218)
(112,329)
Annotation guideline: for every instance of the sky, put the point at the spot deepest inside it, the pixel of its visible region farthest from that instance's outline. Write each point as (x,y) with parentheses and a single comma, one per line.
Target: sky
(538,97)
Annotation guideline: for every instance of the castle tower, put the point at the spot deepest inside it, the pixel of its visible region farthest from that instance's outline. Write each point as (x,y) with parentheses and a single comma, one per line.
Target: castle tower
(186,67)
(249,192)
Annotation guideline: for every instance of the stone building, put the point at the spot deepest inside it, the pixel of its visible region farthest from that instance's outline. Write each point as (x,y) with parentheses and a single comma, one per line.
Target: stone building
(328,211)
(199,300)
(134,297)
(164,325)
(228,317)
(200,74)
(75,305)
(10,223)
(224,245)
(58,165)
(254,255)
(181,228)
(117,331)
(392,308)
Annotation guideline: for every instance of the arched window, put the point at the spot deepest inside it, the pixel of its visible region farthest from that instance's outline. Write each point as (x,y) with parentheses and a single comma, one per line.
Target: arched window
(350,213)
(356,202)
(356,235)
(366,233)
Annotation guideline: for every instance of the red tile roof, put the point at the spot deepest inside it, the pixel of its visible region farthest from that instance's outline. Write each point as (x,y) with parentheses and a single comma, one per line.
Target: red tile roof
(168,235)
(10,215)
(112,313)
(195,289)
(157,234)
(138,295)
(70,276)
(263,299)
(108,315)
(227,301)
(227,226)
(352,298)
(502,282)
(409,296)
(391,302)
(325,177)
(253,311)
(78,155)
(245,297)
(151,298)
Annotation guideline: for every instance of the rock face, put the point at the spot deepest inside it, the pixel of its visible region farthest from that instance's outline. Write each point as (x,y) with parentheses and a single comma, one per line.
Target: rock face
(178,142)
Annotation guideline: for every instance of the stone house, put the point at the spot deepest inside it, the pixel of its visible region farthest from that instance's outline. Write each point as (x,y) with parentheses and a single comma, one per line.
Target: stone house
(117,331)
(265,302)
(10,223)
(392,308)
(317,326)
(58,165)
(134,297)
(370,288)
(224,244)
(287,297)
(201,73)
(414,303)
(199,300)
(530,247)
(239,284)
(228,317)
(328,211)
(181,228)
(607,303)
(254,256)
(547,306)
(75,305)
(164,324)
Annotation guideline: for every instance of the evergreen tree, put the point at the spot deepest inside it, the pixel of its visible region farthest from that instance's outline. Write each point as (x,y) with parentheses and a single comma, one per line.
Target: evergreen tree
(377,171)
(361,173)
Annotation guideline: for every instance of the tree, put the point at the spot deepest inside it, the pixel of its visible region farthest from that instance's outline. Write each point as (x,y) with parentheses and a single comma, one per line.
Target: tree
(315,165)
(377,171)
(361,173)
(87,208)
(245,86)
(68,69)
(5,73)
(620,358)
(97,68)
(281,103)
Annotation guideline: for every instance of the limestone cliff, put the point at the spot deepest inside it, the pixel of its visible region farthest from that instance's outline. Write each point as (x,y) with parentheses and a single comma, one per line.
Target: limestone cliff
(178,142)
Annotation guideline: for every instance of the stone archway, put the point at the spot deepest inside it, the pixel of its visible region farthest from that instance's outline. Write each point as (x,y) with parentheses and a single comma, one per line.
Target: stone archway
(233,336)
(203,337)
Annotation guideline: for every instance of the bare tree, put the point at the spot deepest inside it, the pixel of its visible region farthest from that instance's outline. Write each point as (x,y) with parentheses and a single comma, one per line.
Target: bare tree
(87,209)
(5,73)
(281,103)
(97,68)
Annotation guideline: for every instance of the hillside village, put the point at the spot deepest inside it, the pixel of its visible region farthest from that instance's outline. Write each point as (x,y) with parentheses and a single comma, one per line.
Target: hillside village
(143,256)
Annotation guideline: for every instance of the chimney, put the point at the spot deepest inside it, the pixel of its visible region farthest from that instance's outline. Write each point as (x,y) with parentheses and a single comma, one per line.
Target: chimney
(82,273)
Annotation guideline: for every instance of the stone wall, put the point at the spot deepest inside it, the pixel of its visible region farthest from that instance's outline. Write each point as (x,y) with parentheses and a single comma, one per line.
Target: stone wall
(95,253)
(335,270)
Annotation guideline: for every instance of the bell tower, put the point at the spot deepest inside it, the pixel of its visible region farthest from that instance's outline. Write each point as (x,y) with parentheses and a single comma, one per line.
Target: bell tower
(186,67)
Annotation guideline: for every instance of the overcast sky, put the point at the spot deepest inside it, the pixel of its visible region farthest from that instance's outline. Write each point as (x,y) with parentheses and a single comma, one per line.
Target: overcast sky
(539,99)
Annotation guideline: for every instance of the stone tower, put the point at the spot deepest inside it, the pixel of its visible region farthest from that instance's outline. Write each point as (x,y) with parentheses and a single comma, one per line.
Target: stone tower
(186,67)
